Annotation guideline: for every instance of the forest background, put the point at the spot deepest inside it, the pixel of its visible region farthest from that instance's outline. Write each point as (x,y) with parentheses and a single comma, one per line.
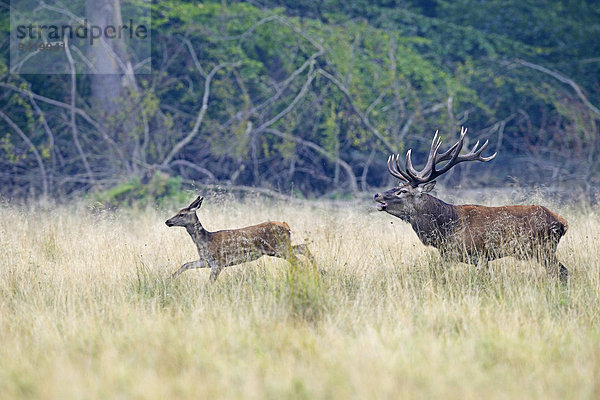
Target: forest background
(308,98)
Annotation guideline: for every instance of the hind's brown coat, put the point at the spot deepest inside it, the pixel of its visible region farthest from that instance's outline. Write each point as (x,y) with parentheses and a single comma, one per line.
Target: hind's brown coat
(221,249)
(235,246)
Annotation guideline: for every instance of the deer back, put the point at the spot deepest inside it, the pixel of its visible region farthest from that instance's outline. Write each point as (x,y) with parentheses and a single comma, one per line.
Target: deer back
(508,229)
(234,245)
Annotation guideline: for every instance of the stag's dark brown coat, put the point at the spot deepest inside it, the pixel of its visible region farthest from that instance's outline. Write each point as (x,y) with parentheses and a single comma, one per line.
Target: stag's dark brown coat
(471,233)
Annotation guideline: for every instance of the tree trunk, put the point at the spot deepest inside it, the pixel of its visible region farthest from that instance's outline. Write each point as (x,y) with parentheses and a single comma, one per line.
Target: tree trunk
(106,82)
(113,82)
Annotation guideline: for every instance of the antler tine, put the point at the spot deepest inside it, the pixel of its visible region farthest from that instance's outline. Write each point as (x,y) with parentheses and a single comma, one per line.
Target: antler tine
(453,154)
(481,150)
(429,172)
(447,154)
(395,170)
(475,154)
(450,152)
(408,163)
(405,175)
(485,159)
(399,169)
(424,174)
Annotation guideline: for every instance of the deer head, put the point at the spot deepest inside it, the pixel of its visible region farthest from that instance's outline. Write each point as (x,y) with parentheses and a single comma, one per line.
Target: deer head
(407,198)
(186,216)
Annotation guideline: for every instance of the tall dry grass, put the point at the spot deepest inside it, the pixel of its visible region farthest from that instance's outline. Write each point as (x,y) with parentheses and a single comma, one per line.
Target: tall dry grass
(87,311)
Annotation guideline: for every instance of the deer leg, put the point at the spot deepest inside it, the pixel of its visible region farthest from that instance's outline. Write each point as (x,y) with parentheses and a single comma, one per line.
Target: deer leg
(302,249)
(450,255)
(563,273)
(215,270)
(189,265)
(483,263)
(291,253)
(555,267)
(445,255)
(215,267)
(480,261)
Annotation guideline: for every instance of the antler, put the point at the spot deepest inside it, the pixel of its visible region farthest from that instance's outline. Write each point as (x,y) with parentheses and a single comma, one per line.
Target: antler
(429,172)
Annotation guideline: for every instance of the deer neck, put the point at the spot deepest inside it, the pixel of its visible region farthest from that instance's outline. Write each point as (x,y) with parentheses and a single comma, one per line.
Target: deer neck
(198,233)
(433,220)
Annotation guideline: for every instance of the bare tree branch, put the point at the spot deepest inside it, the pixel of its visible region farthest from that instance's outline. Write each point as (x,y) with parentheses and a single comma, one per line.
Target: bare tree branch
(85,60)
(280,89)
(79,112)
(321,151)
(182,143)
(562,79)
(123,65)
(290,106)
(190,48)
(74,130)
(364,118)
(365,172)
(198,168)
(37,155)
(47,129)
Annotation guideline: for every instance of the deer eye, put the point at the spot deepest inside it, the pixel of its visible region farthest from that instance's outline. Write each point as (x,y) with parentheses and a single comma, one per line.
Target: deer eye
(401,191)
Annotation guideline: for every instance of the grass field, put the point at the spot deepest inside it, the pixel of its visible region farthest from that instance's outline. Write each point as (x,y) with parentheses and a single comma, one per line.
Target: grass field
(87,310)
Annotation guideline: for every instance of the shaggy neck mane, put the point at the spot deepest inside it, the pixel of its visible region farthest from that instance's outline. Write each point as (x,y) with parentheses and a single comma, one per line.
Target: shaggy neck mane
(433,220)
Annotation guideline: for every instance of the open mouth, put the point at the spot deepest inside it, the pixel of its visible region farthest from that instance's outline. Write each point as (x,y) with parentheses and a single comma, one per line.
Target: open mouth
(381,205)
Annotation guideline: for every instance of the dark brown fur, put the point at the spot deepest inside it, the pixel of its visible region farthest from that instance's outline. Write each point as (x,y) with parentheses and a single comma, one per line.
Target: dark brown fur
(509,230)
(475,233)
(224,248)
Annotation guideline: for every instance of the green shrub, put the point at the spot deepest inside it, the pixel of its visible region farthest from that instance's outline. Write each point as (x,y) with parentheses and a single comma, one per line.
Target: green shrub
(158,189)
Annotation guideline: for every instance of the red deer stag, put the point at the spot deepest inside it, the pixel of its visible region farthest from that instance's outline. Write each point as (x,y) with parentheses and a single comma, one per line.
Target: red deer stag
(224,248)
(470,233)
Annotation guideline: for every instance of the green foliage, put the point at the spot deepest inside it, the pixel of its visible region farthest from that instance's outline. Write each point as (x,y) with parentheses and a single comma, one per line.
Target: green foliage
(148,287)
(404,67)
(158,190)
(305,293)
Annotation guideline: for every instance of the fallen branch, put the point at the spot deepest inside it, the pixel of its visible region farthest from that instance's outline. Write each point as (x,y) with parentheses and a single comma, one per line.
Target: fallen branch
(243,188)
(198,168)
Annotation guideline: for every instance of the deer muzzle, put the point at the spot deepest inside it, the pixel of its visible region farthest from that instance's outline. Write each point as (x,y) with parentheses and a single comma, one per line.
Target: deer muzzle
(381,204)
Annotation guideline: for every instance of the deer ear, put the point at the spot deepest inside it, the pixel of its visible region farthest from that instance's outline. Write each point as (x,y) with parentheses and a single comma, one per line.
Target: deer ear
(196,203)
(428,187)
